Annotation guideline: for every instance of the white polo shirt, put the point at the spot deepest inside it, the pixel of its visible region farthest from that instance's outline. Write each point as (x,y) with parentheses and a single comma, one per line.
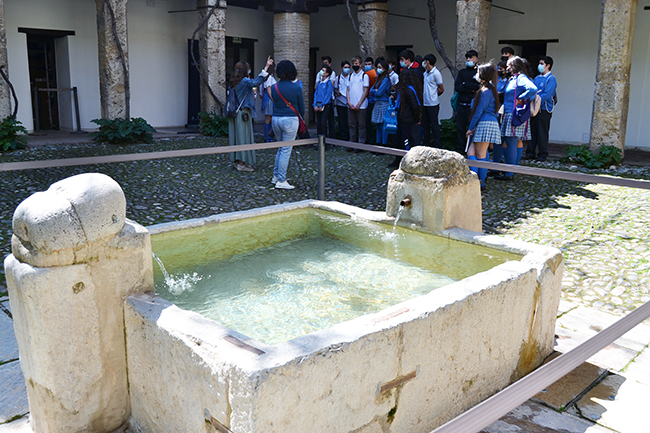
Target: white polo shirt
(432,79)
(358,80)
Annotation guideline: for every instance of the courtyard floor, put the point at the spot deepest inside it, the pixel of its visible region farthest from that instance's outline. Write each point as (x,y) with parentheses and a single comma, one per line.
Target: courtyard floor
(602,230)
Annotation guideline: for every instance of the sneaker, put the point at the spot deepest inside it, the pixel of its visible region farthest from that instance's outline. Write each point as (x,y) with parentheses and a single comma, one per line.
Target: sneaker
(284,185)
(274,180)
(244,167)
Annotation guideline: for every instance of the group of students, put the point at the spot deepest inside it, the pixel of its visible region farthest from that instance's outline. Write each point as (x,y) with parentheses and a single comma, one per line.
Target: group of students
(488,97)
(363,91)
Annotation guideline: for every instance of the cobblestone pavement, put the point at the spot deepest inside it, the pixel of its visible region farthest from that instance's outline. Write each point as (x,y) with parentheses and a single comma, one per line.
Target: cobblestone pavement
(601,229)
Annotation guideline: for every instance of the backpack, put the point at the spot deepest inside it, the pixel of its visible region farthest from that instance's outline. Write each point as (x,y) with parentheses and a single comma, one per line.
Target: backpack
(390,118)
(232,106)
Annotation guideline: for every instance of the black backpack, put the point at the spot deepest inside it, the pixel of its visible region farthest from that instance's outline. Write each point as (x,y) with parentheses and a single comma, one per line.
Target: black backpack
(232,106)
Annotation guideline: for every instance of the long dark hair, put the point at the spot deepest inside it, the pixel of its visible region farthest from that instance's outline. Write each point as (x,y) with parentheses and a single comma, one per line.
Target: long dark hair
(487,73)
(407,78)
(383,75)
(241,72)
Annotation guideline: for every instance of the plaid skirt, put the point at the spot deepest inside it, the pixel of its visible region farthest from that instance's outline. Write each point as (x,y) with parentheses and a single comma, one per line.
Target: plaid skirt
(378,112)
(487,132)
(522,132)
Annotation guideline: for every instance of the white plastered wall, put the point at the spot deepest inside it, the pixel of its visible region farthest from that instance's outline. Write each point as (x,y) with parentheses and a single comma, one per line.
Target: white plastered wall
(75,15)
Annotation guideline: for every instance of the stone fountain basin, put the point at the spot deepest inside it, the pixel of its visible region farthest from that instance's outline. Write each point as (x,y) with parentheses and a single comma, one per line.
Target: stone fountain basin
(408,368)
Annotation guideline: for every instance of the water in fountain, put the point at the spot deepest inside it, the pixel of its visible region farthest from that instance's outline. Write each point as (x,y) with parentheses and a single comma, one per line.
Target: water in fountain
(399,214)
(324,269)
(177,284)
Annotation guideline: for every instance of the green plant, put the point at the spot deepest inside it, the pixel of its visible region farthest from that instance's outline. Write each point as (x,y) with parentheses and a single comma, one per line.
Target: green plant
(448,134)
(122,131)
(10,138)
(213,125)
(607,156)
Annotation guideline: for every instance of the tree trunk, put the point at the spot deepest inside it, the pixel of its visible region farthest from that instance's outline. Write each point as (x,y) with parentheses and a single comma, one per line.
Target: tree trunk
(436,38)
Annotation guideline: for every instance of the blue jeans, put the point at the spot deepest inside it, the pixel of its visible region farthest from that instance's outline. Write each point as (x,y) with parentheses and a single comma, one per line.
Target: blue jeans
(285,129)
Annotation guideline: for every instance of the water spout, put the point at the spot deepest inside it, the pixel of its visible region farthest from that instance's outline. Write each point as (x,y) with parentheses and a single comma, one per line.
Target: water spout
(406,201)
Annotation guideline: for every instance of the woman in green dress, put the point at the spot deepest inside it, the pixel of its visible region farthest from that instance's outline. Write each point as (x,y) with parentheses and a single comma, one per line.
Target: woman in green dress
(240,128)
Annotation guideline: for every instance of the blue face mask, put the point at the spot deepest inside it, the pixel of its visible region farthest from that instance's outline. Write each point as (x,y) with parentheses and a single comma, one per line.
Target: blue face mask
(402,64)
(367,68)
(380,71)
(541,68)
(346,70)
(469,64)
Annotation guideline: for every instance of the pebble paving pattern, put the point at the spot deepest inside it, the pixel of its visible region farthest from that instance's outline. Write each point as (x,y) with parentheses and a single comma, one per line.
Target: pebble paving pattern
(602,230)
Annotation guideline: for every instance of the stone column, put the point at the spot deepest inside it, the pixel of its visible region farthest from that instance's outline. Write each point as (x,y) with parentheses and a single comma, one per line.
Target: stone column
(5,94)
(372,26)
(114,86)
(612,92)
(75,259)
(212,46)
(291,42)
(471,29)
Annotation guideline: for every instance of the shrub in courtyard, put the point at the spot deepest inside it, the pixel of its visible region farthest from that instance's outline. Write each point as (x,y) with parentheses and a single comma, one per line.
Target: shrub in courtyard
(122,131)
(213,125)
(448,134)
(10,137)
(607,156)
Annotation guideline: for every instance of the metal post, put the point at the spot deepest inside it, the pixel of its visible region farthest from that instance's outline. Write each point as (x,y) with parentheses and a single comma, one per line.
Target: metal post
(76,112)
(37,119)
(321,167)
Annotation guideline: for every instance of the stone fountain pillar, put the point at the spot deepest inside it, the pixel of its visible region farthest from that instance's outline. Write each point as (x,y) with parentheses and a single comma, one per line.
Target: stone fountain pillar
(75,258)
(444,192)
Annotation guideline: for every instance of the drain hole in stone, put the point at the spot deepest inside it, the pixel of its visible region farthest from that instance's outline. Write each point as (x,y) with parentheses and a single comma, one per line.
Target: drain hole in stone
(78,287)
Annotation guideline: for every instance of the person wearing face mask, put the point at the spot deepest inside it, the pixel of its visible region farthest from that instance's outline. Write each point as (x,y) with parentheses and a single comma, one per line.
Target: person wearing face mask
(327,61)
(518,90)
(380,93)
(369,69)
(484,127)
(433,87)
(466,85)
(506,53)
(407,61)
(540,124)
(340,92)
(394,78)
(240,128)
(357,94)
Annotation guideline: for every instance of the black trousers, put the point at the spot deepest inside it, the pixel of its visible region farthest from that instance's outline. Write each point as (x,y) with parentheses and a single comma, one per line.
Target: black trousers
(539,128)
(409,135)
(331,127)
(344,126)
(462,123)
(321,120)
(431,126)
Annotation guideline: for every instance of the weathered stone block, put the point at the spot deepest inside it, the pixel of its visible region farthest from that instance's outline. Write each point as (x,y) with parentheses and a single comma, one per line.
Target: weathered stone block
(443,191)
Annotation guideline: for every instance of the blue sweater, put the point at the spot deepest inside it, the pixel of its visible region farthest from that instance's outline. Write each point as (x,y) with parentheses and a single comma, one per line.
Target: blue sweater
(292,92)
(381,93)
(485,110)
(525,90)
(547,86)
(245,90)
(323,94)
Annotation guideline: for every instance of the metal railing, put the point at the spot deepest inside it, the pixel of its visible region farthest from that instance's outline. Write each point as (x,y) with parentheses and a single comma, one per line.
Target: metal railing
(75,97)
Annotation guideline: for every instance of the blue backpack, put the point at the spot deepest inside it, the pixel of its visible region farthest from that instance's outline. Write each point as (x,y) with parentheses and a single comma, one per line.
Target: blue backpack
(390,118)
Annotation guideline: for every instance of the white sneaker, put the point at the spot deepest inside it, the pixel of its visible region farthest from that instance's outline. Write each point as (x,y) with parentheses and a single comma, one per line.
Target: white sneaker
(274,180)
(284,185)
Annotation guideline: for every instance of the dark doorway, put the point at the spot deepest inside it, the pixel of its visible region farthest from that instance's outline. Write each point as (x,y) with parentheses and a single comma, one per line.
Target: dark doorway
(42,74)
(310,81)
(392,53)
(237,50)
(531,50)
